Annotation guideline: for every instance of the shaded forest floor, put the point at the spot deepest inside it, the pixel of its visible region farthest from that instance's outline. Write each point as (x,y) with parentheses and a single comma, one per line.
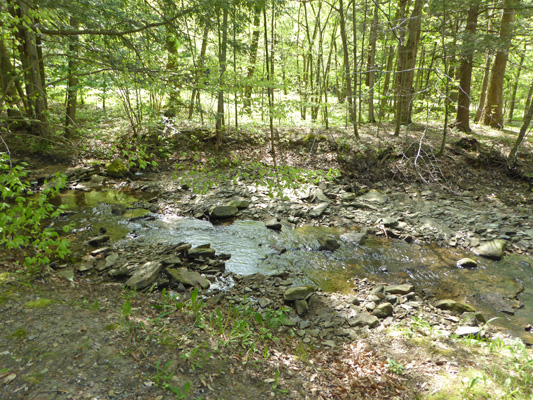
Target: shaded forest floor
(89,338)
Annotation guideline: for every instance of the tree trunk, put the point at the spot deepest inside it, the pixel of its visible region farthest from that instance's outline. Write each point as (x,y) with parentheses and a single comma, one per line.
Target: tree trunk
(222,62)
(347,77)
(462,121)
(195,96)
(406,65)
(484,84)
(72,82)
(247,100)
(493,110)
(515,84)
(12,94)
(34,81)
(523,130)
(386,83)
(372,64)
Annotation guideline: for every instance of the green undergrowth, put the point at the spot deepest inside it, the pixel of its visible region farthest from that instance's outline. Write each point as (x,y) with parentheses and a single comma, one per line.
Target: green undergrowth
(233,330)
(489,367)
(278,181)
(25,217)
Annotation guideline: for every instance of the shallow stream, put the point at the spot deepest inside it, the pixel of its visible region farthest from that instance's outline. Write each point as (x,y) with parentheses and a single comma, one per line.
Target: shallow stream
(490,288)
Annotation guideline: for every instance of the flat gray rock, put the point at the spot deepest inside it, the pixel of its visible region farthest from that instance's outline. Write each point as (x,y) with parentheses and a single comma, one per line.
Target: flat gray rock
(188,277)
(328,243)
(364,320)
(239,204)
(318,210)
(145,275)
(221,212)
(383,310)
(399,289)
(201,251)
(354,237)
(273,224)
(374,197)
(467,330)
(98,240)
(454,306)
(298,293)
(301,307)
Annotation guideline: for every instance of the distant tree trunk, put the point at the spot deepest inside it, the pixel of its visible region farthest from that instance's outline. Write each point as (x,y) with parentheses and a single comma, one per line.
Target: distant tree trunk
(484,84)
(195,96)
(270,75)
(12,94)
(528,99)
(523,130)
(355,70)
(462,121)
(349,93)
(222,61)
(493,110)
(515,84)
(247,100)
(72,82)
(33,70)
(406,64)
(386,82)
(372,64)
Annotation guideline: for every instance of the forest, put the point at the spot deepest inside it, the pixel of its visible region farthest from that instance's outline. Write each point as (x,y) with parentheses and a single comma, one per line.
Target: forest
(240,199)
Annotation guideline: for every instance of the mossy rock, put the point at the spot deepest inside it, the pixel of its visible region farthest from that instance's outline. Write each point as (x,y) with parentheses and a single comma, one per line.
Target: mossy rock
(117,168)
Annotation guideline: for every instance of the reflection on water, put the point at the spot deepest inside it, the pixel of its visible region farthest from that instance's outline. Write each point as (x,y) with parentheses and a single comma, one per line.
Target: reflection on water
(490,287)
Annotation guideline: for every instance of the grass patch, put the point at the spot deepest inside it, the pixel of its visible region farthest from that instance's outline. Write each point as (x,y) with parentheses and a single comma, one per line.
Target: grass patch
(39,303)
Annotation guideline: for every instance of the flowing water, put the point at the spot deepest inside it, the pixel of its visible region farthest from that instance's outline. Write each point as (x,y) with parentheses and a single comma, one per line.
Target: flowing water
(256,249)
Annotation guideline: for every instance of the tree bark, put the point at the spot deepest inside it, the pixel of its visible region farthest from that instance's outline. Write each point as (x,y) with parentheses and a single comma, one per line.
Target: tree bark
(483,91)
(406,64)
(33,68)
(72,82)
(195,96)
(493,110)
(462,121)
(515,85)
(247,100)
(347,76)
(222,61)
(371,69)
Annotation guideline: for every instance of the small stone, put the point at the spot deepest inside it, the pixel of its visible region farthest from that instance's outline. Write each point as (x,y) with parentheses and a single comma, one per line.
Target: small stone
(364,320)
(98,240)
(318,210)
(328,244)
(354,237)
(239,204)
(301,307)
(454,306)
(188,277)
(264,302)
(467,330)
(383,310)
(298,293)
(202,251)
(273,224)
(399,289)
(466,263)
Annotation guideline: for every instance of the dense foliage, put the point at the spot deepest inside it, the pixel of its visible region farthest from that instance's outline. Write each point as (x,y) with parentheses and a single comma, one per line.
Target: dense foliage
(232,62)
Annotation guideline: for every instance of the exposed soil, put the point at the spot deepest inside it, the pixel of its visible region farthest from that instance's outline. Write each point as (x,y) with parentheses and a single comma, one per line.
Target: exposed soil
(85,343)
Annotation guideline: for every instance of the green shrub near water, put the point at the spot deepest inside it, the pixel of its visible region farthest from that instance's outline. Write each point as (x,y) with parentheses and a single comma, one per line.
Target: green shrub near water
(23,215)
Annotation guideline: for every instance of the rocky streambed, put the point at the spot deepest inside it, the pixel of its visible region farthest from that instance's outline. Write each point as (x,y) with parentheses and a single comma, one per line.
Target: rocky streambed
(339,232)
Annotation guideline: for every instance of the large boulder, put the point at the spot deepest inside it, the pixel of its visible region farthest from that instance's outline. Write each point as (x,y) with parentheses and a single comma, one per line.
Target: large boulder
(493,249)
(145,275)
(383,310)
